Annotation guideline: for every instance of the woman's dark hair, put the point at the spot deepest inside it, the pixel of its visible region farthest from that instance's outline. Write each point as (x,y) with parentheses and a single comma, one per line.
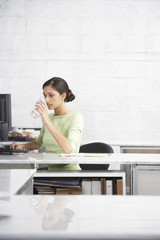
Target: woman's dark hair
(61,86)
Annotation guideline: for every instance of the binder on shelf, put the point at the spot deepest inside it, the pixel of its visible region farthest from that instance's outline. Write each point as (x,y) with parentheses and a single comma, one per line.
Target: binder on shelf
(86,186)
(119,187)
(109,189)
(96,186)
(114,185)
(103,186)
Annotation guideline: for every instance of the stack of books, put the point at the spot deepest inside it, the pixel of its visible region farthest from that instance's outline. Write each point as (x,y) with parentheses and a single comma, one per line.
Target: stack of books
(57,186)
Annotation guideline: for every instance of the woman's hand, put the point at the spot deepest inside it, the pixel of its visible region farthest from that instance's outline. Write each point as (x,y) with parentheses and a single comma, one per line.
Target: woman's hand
(17,145)
(42,108)
(30,145)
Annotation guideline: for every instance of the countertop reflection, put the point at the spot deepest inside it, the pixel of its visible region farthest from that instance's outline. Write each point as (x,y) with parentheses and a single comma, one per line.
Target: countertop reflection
(79,217)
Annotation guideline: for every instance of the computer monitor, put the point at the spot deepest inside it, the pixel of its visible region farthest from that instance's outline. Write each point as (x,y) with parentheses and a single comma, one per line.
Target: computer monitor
(5,110)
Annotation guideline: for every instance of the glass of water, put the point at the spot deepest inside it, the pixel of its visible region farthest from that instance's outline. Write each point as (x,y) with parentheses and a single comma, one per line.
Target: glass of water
(34,113)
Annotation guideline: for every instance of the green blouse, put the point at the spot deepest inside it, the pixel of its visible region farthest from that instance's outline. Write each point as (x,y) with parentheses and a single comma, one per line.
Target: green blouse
(69,125)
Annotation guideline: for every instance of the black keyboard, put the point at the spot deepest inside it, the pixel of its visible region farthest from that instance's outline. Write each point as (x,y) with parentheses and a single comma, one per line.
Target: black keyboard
(6,150)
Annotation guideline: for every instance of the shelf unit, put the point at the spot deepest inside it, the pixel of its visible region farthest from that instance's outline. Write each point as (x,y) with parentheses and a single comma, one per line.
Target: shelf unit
(108,175)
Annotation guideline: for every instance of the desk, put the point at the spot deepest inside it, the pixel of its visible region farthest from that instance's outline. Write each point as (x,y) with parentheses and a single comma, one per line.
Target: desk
(91,217)
(15,181)
(51,158)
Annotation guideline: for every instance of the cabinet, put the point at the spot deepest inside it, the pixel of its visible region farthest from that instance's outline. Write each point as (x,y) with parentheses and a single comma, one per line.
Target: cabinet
(146,179)
(113,176)
(141,179)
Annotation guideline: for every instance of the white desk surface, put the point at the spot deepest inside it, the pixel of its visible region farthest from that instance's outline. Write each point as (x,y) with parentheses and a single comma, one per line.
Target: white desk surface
(91,217)
(127,143)
(12,180)
(51,158)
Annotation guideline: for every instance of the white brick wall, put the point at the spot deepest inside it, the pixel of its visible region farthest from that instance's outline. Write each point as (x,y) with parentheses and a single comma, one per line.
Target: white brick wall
(108,51)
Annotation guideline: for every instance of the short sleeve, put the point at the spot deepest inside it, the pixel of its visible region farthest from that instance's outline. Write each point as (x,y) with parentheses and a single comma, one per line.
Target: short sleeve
(75,132)
(39,139)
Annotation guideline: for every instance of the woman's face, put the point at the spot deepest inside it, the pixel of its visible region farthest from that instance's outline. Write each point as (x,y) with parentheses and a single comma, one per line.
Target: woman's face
(52,97)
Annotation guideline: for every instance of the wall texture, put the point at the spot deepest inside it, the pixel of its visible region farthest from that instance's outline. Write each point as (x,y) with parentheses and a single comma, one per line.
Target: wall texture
(107,50)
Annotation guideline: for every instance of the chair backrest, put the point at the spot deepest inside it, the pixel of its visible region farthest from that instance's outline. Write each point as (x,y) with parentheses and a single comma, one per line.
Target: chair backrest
(95,147)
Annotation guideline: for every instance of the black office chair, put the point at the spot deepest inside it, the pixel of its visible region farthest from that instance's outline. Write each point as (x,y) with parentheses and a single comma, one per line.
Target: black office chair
(95,147)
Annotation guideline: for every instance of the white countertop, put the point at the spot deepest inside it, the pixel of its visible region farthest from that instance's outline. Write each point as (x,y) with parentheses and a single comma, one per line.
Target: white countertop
(12,180)
(51,158)
(114,143)
(80,217)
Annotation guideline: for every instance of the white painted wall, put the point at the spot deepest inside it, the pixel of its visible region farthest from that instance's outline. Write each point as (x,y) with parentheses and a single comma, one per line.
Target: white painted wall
(107,50)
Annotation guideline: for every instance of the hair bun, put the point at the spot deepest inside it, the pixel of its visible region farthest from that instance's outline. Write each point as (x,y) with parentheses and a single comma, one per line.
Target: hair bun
(70,96)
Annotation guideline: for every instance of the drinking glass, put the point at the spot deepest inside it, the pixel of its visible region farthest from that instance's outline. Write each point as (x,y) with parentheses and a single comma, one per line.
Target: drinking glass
(34,113)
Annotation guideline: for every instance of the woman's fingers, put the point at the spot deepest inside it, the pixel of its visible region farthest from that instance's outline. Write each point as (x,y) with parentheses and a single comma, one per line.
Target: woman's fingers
(16,145)
(13,145)
(41,106)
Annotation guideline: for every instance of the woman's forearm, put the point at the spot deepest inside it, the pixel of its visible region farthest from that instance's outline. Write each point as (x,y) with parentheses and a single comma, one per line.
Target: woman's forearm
(60,139)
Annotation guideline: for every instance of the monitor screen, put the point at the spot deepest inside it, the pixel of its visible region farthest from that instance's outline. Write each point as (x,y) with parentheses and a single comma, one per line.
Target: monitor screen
(5,109)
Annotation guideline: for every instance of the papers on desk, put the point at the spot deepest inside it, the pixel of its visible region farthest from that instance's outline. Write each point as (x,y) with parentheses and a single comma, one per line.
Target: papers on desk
(83,155)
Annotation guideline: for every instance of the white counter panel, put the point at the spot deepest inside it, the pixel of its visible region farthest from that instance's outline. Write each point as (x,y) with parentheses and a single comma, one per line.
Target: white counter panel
(80,217)
(11,180)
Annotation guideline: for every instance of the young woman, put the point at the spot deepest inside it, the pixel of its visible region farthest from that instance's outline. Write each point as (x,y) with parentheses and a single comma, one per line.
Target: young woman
(62,130)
